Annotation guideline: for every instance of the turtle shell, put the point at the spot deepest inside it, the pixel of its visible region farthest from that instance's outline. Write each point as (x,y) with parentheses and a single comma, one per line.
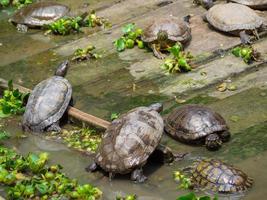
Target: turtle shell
(233,17)
(218,176)
(257,4)
(39,14)
(130,140)
(177,29)
(194,122)
(47,103)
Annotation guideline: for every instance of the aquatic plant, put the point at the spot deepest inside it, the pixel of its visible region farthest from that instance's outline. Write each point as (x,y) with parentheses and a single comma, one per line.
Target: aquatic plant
(64,26)
(12,101)
(16,3)
(85,54)
(29,178)
(84,139)
(246,52)
(193,196)
(131,37)
(92,20)
(114,116)
(179,61)
(4,135)
(184,181)
(127,197)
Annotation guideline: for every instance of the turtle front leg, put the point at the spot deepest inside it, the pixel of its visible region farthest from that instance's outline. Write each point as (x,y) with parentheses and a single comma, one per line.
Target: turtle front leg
(92,168)
(54,127)
(22,28)
(157,52)
(244,37)
(138,176)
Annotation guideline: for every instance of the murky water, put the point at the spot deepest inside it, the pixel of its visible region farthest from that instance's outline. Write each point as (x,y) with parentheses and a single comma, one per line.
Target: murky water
(247,147)
(117,83)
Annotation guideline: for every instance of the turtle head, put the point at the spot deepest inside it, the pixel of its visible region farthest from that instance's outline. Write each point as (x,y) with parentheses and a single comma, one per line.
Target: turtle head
(213,142)
(162,35)
(156,106)
(62,69)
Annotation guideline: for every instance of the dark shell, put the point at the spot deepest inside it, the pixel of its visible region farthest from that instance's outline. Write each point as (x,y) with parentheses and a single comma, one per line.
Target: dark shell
(193,122)
(220,177)
(257,4)
(177,29)
(40,13)
(233,17)
(47,103)
(130,140)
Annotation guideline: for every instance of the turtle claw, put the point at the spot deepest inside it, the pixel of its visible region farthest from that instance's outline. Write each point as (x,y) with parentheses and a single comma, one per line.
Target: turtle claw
(157,53)
(22,28)
(54,127)
(91,168)
(245,39)
(138,176)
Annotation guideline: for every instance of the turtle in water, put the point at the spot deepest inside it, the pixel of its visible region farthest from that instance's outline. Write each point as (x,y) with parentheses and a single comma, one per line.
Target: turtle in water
(236,19)
(48,102)
(129,141)
(197,124)
(165,32)
(38,14)
(255,4)
(218,177)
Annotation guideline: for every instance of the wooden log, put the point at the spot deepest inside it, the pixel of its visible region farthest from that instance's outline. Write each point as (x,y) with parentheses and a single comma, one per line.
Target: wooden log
(72,112)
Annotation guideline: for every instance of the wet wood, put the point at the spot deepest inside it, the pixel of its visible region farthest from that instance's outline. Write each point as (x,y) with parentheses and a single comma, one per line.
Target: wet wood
(72,112)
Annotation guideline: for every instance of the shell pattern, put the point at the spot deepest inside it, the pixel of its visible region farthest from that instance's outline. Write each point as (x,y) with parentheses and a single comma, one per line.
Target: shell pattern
(217,176)
(177,30)
(47,103)
(232,16)
(130,140)
(39,14)
(193,122)
(257,4)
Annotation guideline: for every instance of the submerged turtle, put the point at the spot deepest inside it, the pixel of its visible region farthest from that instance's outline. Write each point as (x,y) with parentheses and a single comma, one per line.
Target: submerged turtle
(165,32)
(38,14)
(217,176)
(255,4)
(129,141)
(197,124)
(236,19)
(48,102)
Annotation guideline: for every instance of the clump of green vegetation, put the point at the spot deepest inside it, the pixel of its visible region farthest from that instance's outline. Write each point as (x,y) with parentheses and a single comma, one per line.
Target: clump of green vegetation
(114,116)
(4,135)
(65,26)
(29,178)
(16,3)
(127,197)
(131,37)
(92,20)
(184,181)
(179,61)
(193,196)
(12,101)
(85,139)
(85,54)
(247,53)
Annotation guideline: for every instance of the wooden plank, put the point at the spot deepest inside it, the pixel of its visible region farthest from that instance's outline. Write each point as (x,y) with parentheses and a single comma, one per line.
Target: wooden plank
(72,112)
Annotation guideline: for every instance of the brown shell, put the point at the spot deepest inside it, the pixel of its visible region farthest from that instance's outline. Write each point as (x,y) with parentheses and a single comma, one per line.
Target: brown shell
(194,122)
(177,29)
(256,4)
(39,14)
(220,177)
(130,140)
(232,17)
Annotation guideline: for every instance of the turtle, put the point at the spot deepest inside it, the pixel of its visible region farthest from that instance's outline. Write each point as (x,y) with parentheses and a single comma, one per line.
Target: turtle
(197,124)
(38,14)
(235,19)
(219,177)
(255,4)
(165,32)
(129,141)
(48,102)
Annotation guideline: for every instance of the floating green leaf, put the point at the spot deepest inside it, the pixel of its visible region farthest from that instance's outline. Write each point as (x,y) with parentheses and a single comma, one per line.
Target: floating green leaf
(85,54)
